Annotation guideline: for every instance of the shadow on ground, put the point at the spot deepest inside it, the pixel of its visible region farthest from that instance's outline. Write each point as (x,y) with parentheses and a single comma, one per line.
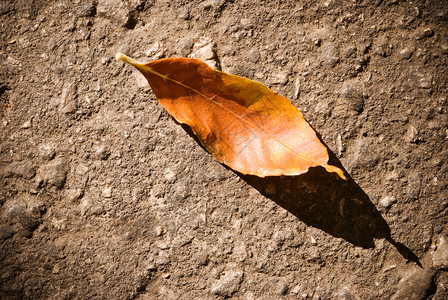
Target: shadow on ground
(325,201)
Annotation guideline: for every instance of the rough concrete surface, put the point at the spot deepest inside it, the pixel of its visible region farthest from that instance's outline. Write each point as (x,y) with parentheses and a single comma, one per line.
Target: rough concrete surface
(104,196)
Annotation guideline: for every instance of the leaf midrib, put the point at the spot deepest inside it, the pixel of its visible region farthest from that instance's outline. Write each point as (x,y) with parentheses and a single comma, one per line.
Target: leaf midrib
(166,77)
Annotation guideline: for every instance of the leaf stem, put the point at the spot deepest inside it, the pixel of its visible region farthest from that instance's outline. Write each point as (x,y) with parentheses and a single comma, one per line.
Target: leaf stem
(127,59)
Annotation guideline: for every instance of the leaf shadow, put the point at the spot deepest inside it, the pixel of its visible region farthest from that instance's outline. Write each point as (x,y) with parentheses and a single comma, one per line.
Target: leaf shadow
(323,200)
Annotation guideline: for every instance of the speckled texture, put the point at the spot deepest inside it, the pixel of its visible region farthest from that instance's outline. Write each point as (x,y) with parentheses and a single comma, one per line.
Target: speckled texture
(104,196)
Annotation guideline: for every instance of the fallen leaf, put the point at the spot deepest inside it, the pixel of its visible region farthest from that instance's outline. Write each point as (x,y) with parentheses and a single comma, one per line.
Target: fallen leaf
(243,123)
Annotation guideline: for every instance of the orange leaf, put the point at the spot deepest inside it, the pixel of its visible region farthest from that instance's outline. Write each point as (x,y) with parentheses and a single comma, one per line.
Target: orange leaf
(243,123)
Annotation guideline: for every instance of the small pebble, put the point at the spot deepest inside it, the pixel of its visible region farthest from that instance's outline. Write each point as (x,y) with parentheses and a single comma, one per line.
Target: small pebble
(205,53)
(15,210)
(444,49)
(87,10)
(415,285)
(203,50)
(105,60)
(70,107)
(117,11)
(74,194)
(18,212)
(164,245)
(212,63)
(56,269)
(26,125)
(23,169)
(331,55)
(162,259)
(184,46)
(422,80)
(184,14)
(353,96)
(140,80)
(280,77)
(254,55)
(296,290)
(107,192)
(247,22)
(102,152)
(282,289)
(156,51)
(47,151)
(297,87)
(170,174)
(440,256)
(406,53)
(97,210)
(159,230)
(201,259)
(412,134)
(339,145)
(350,51)
(380,51)
(344,294)
(182,241)
(425,33)
(387,201)
(54,173)
(228,284)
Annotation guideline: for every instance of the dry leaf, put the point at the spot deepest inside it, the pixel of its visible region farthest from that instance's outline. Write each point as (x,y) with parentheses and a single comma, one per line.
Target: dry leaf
(243,123)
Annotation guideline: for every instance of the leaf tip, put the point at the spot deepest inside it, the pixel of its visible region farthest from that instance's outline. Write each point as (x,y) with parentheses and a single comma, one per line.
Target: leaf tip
(336,170)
